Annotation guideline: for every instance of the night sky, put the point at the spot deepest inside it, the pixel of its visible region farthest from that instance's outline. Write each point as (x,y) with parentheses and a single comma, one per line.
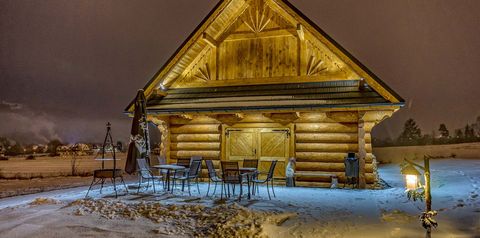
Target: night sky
(68,67)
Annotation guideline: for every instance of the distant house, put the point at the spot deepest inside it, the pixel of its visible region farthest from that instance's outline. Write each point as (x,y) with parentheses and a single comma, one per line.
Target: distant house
(64,150)
(79,149)
(258,79)
(39,149)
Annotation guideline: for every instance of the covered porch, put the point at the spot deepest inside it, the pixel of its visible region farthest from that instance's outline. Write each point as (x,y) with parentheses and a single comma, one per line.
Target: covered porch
(315,123)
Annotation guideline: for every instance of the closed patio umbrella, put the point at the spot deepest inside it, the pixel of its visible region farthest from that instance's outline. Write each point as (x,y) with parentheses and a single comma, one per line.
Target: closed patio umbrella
(139,146)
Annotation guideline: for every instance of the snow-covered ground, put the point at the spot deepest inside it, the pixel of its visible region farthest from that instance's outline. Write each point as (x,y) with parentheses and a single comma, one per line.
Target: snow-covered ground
(295,212)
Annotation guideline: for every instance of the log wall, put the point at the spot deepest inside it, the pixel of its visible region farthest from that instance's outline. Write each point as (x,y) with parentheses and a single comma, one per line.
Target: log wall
(200,136)
(322,140)
(197,137)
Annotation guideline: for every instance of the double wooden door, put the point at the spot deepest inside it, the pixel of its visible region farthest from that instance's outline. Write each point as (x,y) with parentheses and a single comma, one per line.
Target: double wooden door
(264,144)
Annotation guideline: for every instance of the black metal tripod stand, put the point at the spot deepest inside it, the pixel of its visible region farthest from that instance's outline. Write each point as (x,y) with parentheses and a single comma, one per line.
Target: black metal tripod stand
(100,175)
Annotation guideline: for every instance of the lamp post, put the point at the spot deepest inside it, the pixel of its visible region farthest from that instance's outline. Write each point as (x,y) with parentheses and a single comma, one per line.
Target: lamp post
(412,183)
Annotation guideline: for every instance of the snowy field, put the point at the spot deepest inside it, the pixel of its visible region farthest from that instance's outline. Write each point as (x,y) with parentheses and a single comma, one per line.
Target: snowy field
(397,154)
(45,167)
(295,212)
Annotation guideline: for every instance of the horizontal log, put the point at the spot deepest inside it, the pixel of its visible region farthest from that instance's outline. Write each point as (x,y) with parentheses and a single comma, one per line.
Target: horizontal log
(195,146)
(351,117)
(258,125)
(326,157)
(368,126)
(328,167)
(330,147)
(196,120)
(305,117)
(330,137)
(313,184)
(189,153)
(194,129)
(369,177)
(215,160)
(173,160)
(195,137)
(375,116)
(332,127)
(256,118)
(300,127)
(326,127)
(324,184)
(341,178)
(248,118)
(204,173)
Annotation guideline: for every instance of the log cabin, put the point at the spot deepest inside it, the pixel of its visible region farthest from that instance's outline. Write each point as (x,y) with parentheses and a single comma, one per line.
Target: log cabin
(258,79)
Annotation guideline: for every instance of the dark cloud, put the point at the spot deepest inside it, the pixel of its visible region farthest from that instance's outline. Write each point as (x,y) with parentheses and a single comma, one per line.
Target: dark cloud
(77,64)
(25,125)
(29,125)
(9,106)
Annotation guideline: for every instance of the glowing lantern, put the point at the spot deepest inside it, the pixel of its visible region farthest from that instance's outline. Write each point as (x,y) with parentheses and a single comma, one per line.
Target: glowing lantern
(411,176)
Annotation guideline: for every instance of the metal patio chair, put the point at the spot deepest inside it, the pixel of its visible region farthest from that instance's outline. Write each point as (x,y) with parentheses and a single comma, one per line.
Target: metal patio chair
(191,174)
(161,161)
(200,158)
(146,174)
(212,176)
(267,180)
(231,176)
(185,162)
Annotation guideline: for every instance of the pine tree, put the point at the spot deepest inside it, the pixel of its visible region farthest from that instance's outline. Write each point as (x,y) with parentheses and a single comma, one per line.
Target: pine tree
(411,134)
(459,134)
(469,132)
(476,127)
(444,133)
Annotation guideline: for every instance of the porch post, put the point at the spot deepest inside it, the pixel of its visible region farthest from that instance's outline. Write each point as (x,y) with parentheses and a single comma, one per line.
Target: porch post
(163,125)
(362,153)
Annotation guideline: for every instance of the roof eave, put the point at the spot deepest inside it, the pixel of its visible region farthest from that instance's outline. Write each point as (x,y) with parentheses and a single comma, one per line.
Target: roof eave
(344,51)
(289,107)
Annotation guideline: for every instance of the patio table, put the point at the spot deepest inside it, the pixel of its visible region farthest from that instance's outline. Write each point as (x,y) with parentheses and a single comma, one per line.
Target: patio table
(249,172)
(169,167)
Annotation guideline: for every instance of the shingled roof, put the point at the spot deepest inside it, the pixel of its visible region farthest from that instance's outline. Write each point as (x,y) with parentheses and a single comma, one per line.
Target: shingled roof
(297,96)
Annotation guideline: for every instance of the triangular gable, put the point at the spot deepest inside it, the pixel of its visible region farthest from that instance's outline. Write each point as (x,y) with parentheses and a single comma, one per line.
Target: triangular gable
(245,42)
